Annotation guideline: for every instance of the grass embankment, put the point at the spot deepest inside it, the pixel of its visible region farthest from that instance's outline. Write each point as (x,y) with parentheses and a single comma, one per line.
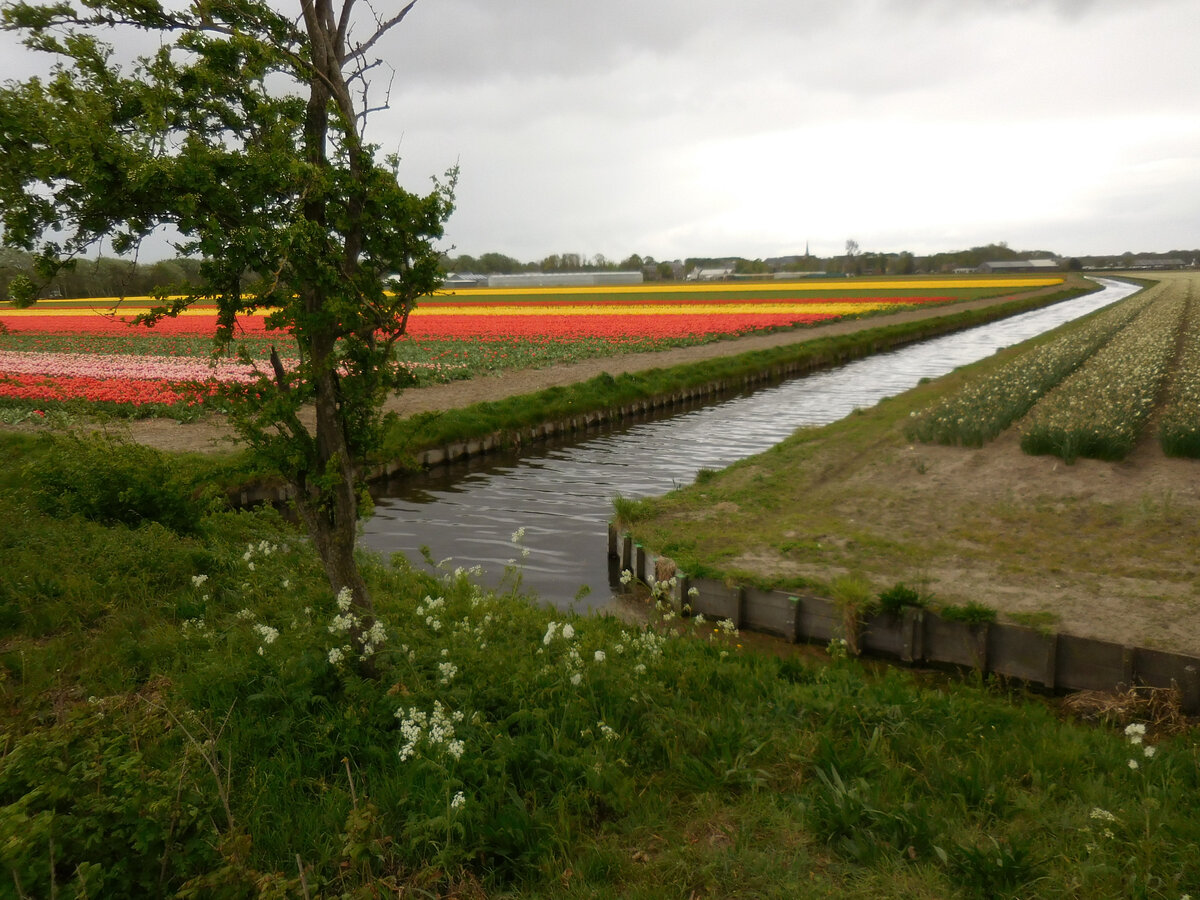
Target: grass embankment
(177,723)
(1096,549)
(510,416)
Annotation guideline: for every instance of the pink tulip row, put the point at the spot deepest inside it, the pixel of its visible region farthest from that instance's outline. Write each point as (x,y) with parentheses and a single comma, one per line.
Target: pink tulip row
(173,369)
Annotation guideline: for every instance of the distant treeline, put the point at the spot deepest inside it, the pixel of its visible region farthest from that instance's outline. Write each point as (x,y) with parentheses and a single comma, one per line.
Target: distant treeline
(114,277)
(853,262)
(102,276)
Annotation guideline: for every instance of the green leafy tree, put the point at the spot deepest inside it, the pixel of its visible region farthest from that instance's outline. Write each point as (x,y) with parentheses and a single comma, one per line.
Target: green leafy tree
(245,131)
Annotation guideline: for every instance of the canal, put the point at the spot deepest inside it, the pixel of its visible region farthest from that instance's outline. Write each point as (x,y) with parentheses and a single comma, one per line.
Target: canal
(561,493)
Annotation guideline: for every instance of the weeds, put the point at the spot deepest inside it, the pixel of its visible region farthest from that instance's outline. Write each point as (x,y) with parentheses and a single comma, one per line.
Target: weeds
(198,737)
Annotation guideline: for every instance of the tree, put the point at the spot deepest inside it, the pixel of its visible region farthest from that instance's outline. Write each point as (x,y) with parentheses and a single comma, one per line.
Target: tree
(246,132)
(903,264)
(499,264)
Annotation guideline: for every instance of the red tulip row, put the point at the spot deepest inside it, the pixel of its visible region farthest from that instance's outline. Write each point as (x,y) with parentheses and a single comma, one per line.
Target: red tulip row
(512,324)
(134,391)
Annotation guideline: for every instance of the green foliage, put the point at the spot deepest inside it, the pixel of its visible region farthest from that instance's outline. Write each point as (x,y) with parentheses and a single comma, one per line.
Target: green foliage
(113,481)
(971,613)
(201,733)
(99,803)
(893,600)
(22,292)
(628,511)
(245,132)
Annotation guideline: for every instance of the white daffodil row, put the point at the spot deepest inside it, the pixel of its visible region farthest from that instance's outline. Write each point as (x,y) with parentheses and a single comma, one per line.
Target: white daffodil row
(986,406)
(1100,410)
(1179,430)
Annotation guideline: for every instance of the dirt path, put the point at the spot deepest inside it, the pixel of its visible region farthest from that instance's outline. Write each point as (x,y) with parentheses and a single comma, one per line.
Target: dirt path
(213,435)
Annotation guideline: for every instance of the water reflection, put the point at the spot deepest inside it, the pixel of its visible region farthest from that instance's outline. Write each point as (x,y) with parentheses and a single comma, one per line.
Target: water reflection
(561,494)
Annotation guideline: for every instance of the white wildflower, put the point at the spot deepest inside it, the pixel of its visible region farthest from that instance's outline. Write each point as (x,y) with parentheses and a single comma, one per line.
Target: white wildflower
(198,580)
(599,656)
(459,801)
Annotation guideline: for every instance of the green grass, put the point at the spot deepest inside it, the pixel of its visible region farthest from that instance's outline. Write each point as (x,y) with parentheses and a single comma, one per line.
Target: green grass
(857,498)
(171,735)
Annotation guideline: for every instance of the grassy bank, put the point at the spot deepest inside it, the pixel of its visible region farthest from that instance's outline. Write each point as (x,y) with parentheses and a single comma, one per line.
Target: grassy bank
(179,721)
(1099,549)
(508,417)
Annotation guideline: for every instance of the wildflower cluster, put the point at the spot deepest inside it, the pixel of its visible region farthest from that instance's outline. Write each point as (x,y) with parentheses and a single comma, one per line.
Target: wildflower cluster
(266,634)
(431,609)
(984,407)
(606,732)
(1100,827)
(1136,735)
(347,622)
(433,731)
(261,549)
(1099,411)
(518,538)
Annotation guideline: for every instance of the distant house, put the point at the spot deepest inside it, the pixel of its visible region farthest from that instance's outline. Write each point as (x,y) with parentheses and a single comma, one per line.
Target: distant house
(1008,266)
(698,274)
(1170,263)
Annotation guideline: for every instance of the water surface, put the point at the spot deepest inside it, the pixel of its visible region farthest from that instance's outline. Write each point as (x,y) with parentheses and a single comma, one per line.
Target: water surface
(562,493)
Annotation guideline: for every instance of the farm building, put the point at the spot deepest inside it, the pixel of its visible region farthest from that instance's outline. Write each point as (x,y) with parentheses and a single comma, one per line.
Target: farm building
(1153,263)
(464,279)
(1020,265)
(722,274)
(564,279)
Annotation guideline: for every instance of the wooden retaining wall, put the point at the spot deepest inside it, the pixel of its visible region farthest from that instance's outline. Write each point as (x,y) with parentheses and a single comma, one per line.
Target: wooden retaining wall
(919,636)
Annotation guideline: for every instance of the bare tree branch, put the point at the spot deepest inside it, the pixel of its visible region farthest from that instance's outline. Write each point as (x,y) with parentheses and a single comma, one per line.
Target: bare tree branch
(384,27)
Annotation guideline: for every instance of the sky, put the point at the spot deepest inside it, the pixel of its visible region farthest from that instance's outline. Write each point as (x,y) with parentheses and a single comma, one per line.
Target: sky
(676,128)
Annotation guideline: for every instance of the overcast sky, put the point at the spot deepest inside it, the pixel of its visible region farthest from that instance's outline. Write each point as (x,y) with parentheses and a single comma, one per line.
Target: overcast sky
(694,127)
(676,128)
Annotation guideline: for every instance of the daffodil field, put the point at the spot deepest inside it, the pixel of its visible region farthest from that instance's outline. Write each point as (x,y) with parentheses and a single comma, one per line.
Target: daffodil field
(1091,391)
(91,350)
(1099,411)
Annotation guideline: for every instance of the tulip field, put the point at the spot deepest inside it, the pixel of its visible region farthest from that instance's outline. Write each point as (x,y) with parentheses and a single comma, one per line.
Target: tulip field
(63,351)
(1092,391)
